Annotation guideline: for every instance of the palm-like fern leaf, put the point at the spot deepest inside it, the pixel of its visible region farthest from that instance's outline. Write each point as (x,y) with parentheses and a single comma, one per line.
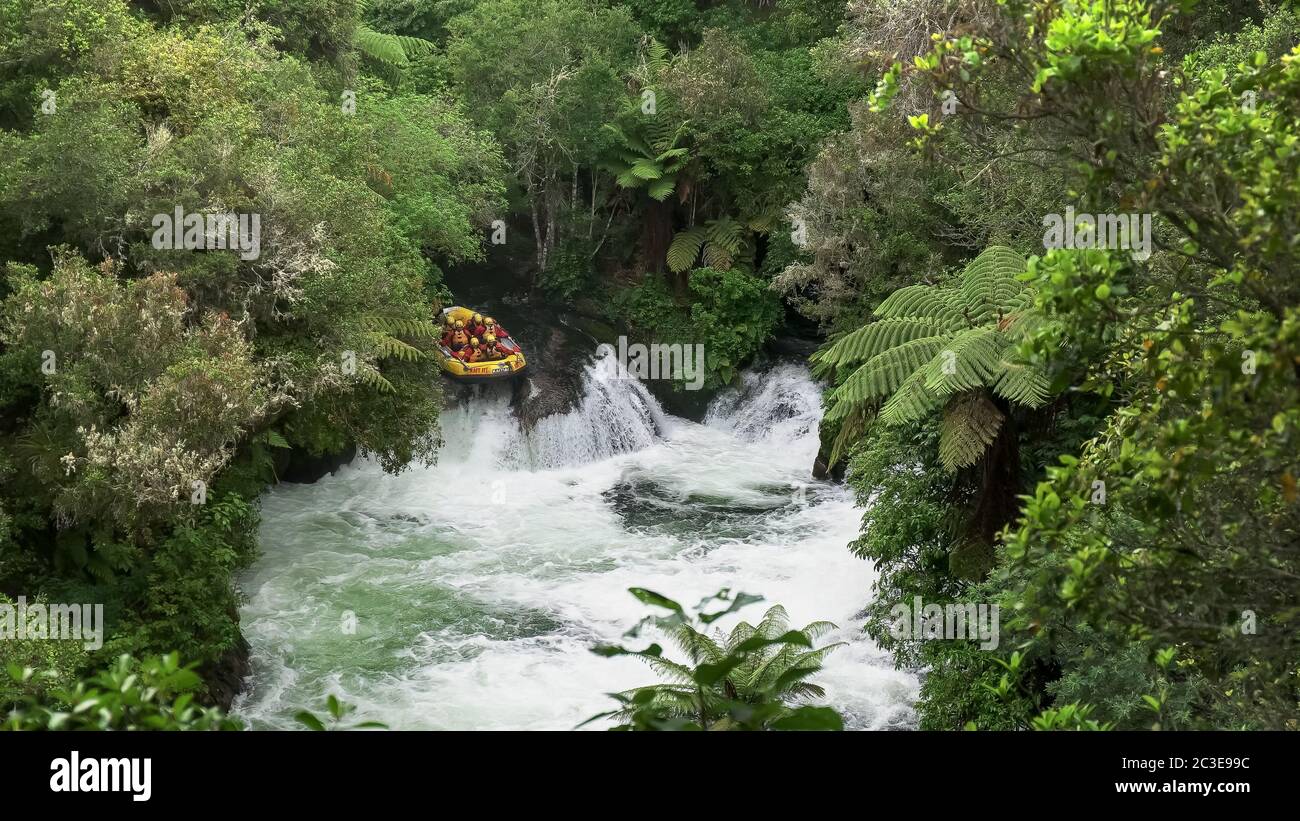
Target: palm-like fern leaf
(873,338)
(372,377)
(912,401)
(970,360)
(685,248)
(886,371)
(970,424)
(392,49)
(989,284)
(937,304)
(932,345)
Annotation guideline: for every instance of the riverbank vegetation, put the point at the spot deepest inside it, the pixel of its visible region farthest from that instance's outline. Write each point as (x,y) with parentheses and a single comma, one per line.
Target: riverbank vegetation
(1098,437)
(1149,567)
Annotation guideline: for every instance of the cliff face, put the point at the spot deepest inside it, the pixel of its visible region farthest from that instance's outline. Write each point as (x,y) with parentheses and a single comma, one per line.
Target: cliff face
(225,677)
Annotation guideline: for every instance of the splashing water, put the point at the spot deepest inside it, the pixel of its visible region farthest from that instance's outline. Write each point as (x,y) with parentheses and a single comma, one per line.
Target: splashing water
(428,604)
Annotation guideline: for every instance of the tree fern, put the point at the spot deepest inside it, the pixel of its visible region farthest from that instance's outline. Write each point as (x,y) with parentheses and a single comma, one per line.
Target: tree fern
(970,424)
(884,373)
(390,347)
(775,670)
(685,248)
(933,347)
(650,159)
(391,49)
(873,338)
(381,335)
(720,242)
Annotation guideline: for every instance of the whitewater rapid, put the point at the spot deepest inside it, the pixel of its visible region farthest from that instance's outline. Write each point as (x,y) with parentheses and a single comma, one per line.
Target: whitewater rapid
(428,606)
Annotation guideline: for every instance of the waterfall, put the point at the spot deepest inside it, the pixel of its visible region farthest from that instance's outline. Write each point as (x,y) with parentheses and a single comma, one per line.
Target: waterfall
(476,588)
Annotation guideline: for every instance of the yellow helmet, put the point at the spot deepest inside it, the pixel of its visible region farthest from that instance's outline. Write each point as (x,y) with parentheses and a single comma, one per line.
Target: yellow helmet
(451,320)
(489,321)
(478,317)
(459,324)
(473,340)
(490,339)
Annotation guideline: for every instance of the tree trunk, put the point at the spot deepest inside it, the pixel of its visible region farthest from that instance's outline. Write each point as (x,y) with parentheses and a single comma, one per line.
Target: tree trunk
(996,505)
(656,234)
(537,232)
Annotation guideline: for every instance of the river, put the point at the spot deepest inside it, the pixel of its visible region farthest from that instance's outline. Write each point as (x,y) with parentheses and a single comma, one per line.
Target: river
(427,606)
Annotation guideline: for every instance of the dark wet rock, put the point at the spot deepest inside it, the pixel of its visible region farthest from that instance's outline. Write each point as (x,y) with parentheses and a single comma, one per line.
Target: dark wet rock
(681,402)
(820,469)
(302,468)
(599,331)
(793,347)
(225,677)
(553,381)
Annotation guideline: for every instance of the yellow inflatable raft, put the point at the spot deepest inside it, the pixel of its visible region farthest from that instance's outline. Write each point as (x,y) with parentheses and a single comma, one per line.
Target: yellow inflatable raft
(491,371)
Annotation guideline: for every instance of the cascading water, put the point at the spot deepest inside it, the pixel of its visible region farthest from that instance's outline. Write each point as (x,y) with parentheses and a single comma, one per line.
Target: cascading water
(425,604)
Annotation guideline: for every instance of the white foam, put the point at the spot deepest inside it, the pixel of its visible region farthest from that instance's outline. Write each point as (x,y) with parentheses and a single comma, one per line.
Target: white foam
(479,616)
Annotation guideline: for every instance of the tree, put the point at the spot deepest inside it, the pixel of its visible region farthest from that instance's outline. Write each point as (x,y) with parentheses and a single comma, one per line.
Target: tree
(1168,537)
(953,350)
(544,77)
(749,679)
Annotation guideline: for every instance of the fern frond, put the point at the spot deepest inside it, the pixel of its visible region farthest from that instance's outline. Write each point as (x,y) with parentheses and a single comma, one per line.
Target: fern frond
(886,371)
(970,424)
(941,304)
(685,249)
(415,46)
(1022,383)
(669,669)
(764,222)
(697,646)
(970,360)
(727,233)
(872,338)
(413,328)
(389,347)
(662,188)
(775,622)
(372,377)
(276,439)
(989,285)
(386,48)
(852,426)
(656,56)
(646,169)
(911,402)
(717,256)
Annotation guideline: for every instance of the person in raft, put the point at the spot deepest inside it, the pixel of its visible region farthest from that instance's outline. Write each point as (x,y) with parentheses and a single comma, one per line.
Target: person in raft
(475,326)
(447,330)
(473,352)
(490,326)
(459,338)
(490,350)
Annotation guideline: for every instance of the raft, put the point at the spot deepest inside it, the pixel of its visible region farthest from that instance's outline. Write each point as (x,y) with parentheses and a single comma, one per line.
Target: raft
(497,369)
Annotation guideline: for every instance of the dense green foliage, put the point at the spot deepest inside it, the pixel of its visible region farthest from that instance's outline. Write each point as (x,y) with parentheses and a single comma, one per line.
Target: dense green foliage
(145,390)
(1148,576)
(156,694)
(1100,440)
(752,678)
